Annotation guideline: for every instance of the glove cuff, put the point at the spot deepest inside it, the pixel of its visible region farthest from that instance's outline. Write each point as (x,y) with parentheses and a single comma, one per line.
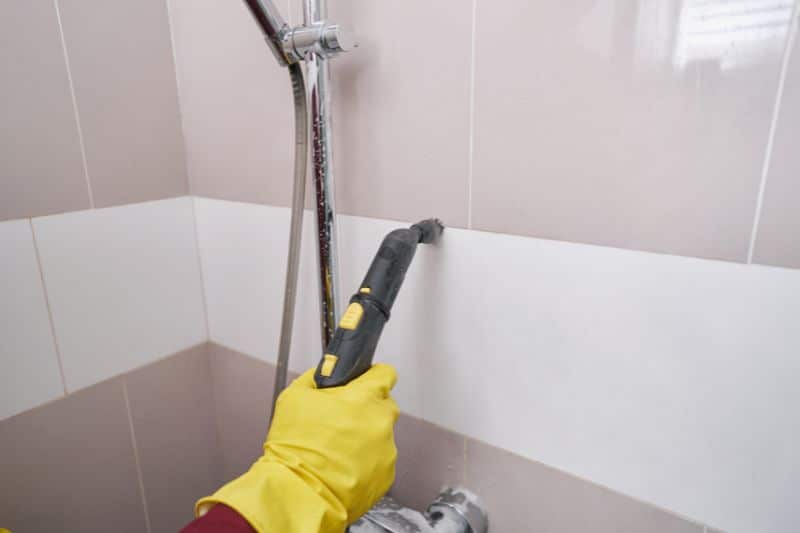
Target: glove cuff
(275,499)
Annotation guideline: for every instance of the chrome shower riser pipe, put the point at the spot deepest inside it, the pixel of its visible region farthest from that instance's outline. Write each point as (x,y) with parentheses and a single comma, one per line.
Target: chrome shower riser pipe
(312,43)
(322,177)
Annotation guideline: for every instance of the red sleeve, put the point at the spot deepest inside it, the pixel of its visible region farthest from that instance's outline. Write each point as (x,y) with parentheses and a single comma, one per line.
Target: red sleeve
(220,519)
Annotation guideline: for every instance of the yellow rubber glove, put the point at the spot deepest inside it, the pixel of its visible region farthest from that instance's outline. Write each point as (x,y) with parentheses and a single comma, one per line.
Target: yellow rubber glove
(329,457)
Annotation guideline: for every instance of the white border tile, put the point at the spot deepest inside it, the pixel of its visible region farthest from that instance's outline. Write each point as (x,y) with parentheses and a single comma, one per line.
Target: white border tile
(30,375)
(667,378)
(124,286)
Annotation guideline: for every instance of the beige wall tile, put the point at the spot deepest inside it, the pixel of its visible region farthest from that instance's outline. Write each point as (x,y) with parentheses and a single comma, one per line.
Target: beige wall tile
(124,77)
(69,466)
(41,169)
(243,396)
(777,241)
(637,124)
(429,457)
(523,496)
(401,110)
(172,407)
(236,103)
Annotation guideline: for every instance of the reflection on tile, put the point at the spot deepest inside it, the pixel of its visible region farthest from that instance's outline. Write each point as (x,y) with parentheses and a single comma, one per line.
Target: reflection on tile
(42,169)
(236,104)
(123,284)
(624,124)
(401,111)
(777,242)
(127,98)
(243,395)
(69,466)
(525,496)
(30,374)
(428,459)
(172,406)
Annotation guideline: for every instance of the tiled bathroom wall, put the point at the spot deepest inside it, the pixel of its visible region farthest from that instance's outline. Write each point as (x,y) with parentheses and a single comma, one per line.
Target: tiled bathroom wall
(89,106)
(99,271)
(548,358)
(663,126)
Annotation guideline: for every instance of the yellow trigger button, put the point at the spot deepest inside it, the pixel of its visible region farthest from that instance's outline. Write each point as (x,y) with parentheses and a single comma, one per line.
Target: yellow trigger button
(328,364)
(352,316)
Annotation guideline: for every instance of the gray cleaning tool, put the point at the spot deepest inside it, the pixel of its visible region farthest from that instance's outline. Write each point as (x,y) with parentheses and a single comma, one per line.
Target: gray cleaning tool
(350,352)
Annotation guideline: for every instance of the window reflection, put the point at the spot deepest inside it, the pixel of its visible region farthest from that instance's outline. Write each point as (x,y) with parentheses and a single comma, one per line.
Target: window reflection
(733,33)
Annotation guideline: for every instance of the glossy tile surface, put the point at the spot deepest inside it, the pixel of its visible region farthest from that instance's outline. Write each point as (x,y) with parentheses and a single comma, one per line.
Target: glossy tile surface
(638,125)
(597,361)
(401,110)
(777,241)
(172,407)
(428,458)
(124,78)
(69,466)
(30,375)
(124,286)
(41,170)
(243,253)
(242,395)
(524,496)
(236,103)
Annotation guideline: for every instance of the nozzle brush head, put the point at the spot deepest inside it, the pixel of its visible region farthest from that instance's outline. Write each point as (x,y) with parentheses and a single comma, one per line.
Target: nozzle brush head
(429,230)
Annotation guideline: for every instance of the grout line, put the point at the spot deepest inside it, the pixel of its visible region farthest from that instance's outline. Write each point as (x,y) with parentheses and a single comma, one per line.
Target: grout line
(200,268)
(216,414)
(173,45)
(464,475)
(787,52)
(471,150)
(75,106)
(49,310)
(136,454)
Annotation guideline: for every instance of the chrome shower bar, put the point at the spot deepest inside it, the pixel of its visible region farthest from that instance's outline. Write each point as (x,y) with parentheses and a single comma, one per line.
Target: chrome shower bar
(314,14)
(313,43)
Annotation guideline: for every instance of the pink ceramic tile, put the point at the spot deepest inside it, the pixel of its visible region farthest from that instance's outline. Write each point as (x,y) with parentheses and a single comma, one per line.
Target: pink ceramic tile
(41,170)
(243,395)
(777,242)
(623,125)
(401,110)
(69,466)
(121,59)
(428,458)
(524,496)
(236,104)
(172,406)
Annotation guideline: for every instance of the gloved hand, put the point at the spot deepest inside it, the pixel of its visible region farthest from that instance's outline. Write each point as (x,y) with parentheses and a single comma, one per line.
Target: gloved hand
(329,457)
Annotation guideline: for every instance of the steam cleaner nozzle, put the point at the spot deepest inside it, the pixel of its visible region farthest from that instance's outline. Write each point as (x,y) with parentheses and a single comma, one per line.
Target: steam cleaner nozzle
(430,230)
(350,351)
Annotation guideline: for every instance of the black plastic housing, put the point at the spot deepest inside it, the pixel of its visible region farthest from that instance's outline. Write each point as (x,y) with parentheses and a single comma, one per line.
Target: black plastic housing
(355,348)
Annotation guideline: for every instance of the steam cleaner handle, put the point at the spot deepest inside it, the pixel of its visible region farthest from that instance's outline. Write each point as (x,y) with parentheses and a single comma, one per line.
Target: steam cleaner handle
(349,353)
